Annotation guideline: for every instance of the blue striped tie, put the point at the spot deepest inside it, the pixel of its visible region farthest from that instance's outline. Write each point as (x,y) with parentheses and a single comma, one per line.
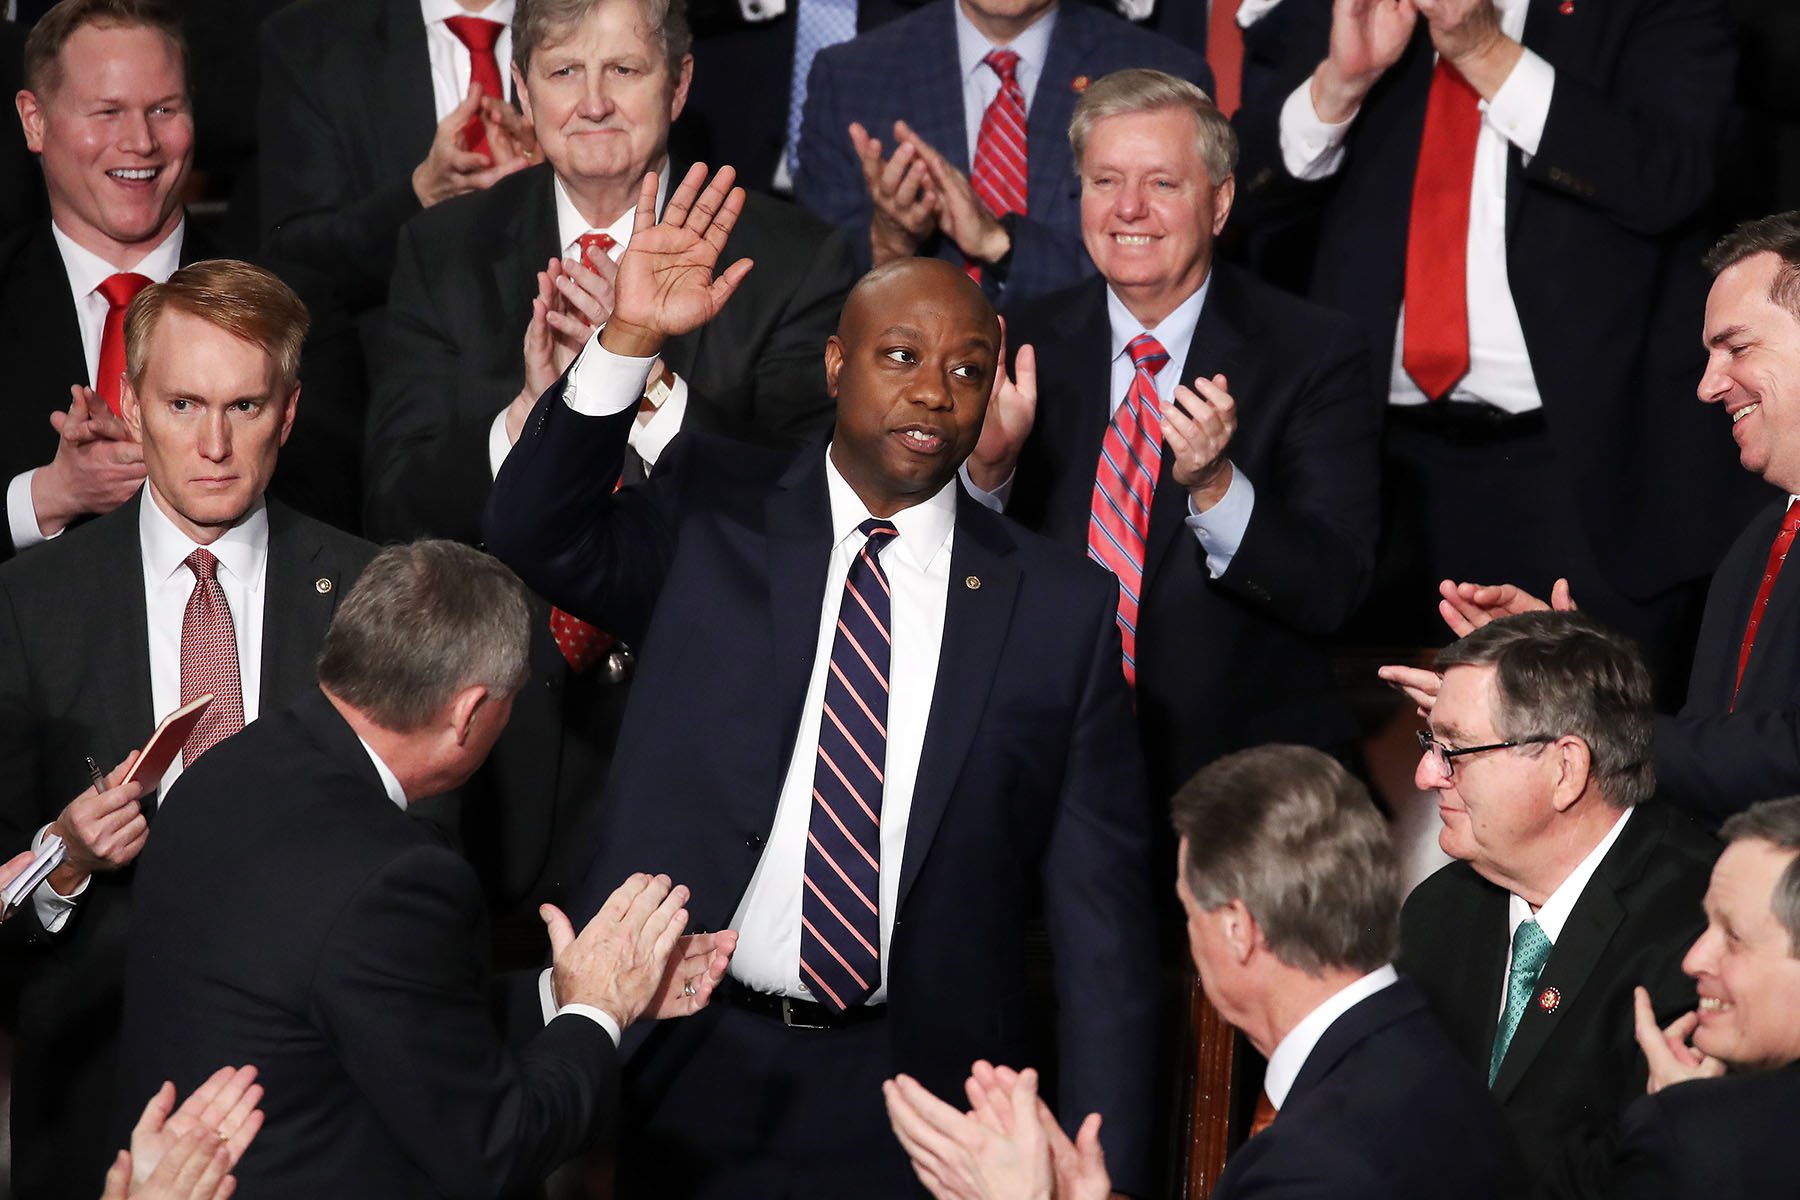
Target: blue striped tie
(840,917)
(818,24)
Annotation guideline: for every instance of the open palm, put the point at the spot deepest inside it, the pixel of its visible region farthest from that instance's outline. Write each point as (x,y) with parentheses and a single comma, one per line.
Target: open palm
(666,284)
(1368,36)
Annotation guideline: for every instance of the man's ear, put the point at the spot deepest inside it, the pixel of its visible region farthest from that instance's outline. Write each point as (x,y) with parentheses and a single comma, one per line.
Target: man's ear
(463,707)
(1223,198)
(131,409)
(1574,770)
(684,78)
(1240,931)
(834,363)
(31,117)
(521,93)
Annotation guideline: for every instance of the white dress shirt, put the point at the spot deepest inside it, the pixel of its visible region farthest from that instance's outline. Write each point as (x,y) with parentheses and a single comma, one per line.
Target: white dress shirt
(1293,1051)
(653,431)
(980,83)
(1555,913)
(1249,11)
(917,564)
(451,63)
(243,554)
(86,271)
(1500,371)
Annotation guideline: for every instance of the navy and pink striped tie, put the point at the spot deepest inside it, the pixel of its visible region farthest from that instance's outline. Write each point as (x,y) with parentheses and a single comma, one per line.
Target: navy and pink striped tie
(1124,482)
(840,941)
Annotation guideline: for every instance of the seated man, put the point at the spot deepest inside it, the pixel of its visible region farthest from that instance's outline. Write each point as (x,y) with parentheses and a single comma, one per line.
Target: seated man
(1291,886)
(1697,1136)
(1572,886)
(336,946)
(976,95)
(1239,514)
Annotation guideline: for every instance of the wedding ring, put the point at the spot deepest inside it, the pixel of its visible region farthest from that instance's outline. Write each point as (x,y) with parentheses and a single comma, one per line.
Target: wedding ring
(687,989)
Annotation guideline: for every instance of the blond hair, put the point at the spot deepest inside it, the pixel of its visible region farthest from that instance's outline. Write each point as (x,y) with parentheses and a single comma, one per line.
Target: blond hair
(244,300)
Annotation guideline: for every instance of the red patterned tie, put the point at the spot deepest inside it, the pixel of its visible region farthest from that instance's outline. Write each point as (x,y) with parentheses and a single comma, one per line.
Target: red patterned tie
(1436,349)
(119,291)
(479,34)
(209,660)
(998,176)
(1124,482)
(1778,553)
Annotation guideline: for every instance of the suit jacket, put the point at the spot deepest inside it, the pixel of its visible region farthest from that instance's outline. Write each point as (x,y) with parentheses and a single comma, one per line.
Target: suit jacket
(1570,1070)
(1381,1067)
(908,69)
(1029,785)
(40,341)
(1239,660)
(1603,257)
(1730,747)
(337,947)
(75,681)
(462,299)
(1712,1139)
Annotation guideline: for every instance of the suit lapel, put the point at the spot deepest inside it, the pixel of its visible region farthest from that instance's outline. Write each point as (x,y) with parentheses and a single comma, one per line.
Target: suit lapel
(1077,408)
(300,592)
(1472,995)
(938,91)
(529,238)
(122,632)
(407,117)
(984,578)
(51,328)
(799,535)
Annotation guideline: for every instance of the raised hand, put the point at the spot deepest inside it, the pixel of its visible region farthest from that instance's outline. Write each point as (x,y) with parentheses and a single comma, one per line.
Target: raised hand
(510,135)
(1420,684)
(1367,37)
(98,463)
(1466,607)
(1668,1052)
(1011,412)
(101,830)
(451,170)
(222,1112)
(1467,34)
(961,215)
(962,1156)
(1198,426)
(904,206)
(1078,1167)
(622,957)
(666,284)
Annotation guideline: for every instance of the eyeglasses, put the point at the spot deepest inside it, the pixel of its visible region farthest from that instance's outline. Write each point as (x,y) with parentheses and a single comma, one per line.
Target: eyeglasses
(1443,758)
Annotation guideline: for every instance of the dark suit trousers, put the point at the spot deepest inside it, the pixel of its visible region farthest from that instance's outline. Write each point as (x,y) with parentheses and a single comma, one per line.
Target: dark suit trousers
(734,1105)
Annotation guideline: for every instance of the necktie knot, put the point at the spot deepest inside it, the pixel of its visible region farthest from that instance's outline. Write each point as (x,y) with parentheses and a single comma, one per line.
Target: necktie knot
(122,289)
(589,242)
(879,533)
(203,564)
(1790,524)
(477,33)
(1530,948)
(1147,354)
(1004,63)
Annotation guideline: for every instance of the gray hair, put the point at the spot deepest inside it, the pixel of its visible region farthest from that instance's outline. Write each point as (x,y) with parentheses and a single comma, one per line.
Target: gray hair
(1140,90)
(536,20)
(1776,822)
(1558,674)
(423,622)
(1778,235)
(1295,837)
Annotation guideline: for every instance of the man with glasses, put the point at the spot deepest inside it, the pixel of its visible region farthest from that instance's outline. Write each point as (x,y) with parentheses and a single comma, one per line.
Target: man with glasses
(1572,886)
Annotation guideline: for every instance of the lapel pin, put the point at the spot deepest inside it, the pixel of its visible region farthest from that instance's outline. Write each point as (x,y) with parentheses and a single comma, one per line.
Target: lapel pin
(322,586)
(973,583)
(1548,999)
(1079,84)
(1566,8)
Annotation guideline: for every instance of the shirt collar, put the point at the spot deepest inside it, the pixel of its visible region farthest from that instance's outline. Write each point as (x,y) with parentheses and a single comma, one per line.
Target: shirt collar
(1555,911)
(924,527)
(1031,46)
(241,550)
(87,270)
(436,11)
(570,224)
(1175,331)
(390,782)
(1297,1046)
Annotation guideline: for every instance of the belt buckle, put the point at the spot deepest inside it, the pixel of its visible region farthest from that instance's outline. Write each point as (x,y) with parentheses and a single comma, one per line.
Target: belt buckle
(792,1021)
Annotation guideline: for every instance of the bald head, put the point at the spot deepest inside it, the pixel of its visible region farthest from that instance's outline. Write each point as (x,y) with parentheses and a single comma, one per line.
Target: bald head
(905,282)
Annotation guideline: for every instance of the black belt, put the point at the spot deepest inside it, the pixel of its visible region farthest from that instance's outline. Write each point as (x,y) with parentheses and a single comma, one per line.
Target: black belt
(1467,423)
(798,1014)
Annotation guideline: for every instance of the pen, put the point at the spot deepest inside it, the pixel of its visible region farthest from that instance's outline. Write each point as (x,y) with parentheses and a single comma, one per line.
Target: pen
(96,775)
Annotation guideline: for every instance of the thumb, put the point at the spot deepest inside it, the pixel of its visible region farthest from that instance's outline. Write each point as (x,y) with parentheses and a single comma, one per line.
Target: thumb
(157,1111)
(562,934)
(1560,598)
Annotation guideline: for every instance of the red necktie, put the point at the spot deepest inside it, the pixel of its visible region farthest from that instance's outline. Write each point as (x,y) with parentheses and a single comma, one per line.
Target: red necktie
(1225,54)
(209,660)
(998,176)
(119,291)
(1778,553)
(1124,482)
(1436,349)
(1264,1115)
(479,34)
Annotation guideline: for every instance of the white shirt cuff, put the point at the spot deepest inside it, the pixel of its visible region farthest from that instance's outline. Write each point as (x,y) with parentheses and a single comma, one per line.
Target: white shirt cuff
(1310,147)
(1520,108)
(1136,10)
(650,438)
(1252,11)
(21,514)
(755,11)
(996,499)
(547,1002)
(53,910)
(499,444)
(1221,527)
(604,384)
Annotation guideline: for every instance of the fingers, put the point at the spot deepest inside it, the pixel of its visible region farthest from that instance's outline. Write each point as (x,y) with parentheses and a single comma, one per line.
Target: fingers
(1420,684)
(613,911)
(1649,1036)
(681,200)
(118,1177)
(157,1111)
(648,899)
(1023,1106)
(644,216)
(1025,373)
(562,934)
(118,773)
(721,289)
(725,219)
(1560,598)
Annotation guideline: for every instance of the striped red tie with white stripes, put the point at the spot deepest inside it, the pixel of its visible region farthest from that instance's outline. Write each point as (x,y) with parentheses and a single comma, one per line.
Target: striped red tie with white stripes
(840,916)
(998,173)
(1124,482)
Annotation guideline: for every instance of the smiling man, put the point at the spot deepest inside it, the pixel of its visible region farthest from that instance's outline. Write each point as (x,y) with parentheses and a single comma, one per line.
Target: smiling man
(876,726)
(196,585)
(1572,886)
(1208,439)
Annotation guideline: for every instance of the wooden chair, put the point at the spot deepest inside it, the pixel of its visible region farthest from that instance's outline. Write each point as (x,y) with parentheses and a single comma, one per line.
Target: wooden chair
(1208,1105)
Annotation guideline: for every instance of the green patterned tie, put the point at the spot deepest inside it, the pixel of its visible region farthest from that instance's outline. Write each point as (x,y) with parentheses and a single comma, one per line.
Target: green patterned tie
(1529,950)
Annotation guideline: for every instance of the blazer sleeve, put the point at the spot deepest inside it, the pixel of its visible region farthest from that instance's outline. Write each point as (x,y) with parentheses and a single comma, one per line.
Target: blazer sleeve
(1309,549)
(1101,917)
(1716,765)
(830,183)
(311,211)
(398,992)
(426,468)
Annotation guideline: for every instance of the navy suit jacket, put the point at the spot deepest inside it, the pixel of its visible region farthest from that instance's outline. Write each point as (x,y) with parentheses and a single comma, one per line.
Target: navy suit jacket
(1238,660)
(1382,1109)
(1712,1139)
(1030,789)
(908,70)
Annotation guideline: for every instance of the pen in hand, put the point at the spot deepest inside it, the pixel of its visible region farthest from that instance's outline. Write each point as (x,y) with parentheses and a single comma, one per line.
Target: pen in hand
(96,774)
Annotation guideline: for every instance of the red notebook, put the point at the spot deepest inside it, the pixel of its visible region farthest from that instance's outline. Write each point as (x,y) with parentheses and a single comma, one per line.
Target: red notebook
(167,742)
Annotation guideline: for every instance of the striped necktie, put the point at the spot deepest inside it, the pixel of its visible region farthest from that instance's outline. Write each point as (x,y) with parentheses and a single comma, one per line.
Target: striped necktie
(1124,482)
(840,916)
